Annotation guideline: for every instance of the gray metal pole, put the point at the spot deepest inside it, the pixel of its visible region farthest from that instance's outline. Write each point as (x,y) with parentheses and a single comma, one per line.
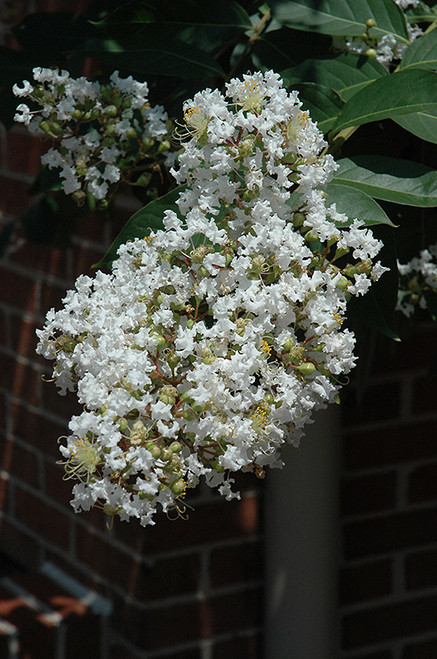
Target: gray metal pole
(301,521)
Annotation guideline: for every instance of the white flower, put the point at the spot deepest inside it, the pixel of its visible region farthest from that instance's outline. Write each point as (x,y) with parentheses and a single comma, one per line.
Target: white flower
(213,341)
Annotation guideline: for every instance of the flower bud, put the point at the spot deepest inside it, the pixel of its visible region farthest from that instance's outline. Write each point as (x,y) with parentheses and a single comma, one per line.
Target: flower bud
(307,368)
(178,487)
(370,22)
(371,52)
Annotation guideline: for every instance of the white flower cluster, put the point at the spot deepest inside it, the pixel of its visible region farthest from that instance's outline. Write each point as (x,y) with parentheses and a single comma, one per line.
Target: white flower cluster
(418,278)
(212,342)
(386,49)
(104,133)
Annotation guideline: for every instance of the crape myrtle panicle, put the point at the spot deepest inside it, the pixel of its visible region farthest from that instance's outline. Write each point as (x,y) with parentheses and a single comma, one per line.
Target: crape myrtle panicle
(213,341)
(103,133)
(418,280)
(386,49)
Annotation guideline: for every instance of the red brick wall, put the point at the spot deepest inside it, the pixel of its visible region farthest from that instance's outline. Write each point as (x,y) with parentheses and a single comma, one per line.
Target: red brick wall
(191,590)
(179,589)
(388,580)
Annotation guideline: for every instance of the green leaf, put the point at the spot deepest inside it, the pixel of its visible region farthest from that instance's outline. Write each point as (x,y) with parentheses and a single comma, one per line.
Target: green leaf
(423,13)
(220,14)
(49,35)
(153,56)
(422,54)
(394,95)
(322,103)
(342,17)
(355,203)
(346,74)
(422,124)
(149,218)
(390,179)
(279,49)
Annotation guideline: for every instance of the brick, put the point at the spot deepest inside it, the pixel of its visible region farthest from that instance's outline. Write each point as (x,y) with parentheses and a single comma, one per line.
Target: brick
(36,429)
(15,196)
(3,411)
(51,297)
(65,405)
(84,258)
(19,379)
(390,533)
(194,653)
(379,403)
(236,564)
(175,624)
(391,622)
(107,561)
(247,647)
(367,494)
(19,462)
(93,227)
(165,578)
(23,152)
(24,339)
(18,290)
(36,639)
(383,654)
(390,445)
(426,650)
(425,395)
(42,259)
(43,518)
(20,545)
(412,353)
(4,323)
(54,485)
(5,484)
(358,583)
(421,570)
(207,523)
(422,484)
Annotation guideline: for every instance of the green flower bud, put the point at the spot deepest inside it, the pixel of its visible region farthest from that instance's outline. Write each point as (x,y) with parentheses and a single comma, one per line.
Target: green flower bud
(166,454)
(178,487)
(298,219)
(176,447)
(371,52)
(310,237)
(245,148)
(342,284)
(154,449)
(370,22)
(188,414)
(123,424)
(307,368)
(111,111)
(164,146)
(289,158)
(203,272)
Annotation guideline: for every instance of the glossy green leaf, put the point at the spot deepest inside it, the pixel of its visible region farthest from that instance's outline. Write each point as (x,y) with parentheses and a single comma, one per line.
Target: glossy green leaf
(390,179)
(423,13)
(356,204)
(153,56)
(280,49)
(342,17)
(422,54)
(398,94)
(220,14)
(422,124)
(346,74)
(322,104)
(149,218)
